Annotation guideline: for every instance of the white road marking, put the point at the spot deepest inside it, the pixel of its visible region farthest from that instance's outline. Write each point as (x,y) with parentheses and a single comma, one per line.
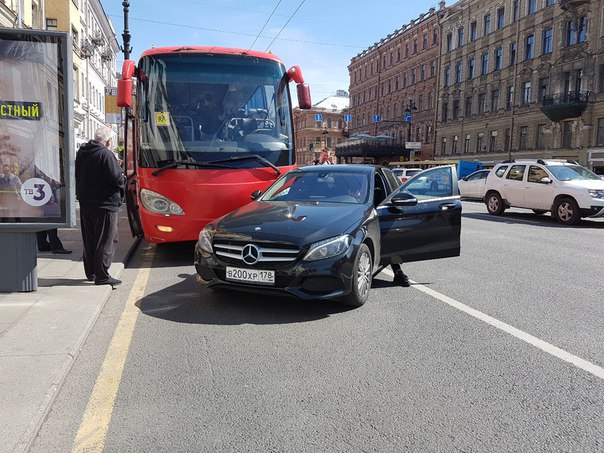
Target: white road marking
(583,364)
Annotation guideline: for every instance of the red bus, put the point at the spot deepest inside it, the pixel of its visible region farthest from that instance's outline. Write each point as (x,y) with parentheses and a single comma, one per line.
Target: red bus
(209,126)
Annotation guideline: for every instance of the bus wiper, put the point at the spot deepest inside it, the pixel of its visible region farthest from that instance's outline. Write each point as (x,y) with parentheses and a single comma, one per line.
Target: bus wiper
(187,164)
(257,157)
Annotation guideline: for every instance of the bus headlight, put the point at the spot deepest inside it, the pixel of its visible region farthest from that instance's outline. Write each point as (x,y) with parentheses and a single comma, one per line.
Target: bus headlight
(159,204)
(328,248)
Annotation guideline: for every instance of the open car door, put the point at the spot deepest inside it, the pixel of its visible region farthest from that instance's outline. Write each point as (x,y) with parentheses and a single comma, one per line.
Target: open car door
(421,220)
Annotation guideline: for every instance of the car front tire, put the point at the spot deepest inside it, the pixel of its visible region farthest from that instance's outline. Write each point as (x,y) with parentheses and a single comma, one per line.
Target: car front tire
(494,203)
(362,272)
(566,211)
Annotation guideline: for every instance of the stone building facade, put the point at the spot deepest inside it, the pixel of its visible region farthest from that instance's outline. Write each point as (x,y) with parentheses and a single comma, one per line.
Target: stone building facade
(397,79)
(521,78)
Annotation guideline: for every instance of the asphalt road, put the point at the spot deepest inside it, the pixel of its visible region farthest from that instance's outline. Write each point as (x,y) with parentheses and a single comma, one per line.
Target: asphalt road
(499,350)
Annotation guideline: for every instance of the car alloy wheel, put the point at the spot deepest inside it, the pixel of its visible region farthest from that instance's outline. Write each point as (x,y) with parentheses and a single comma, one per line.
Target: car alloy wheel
(567,211)
(494,204)
(362,274)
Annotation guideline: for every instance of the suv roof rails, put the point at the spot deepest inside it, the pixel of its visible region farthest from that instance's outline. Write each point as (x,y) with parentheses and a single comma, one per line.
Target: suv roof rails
(508,161)
(541,161)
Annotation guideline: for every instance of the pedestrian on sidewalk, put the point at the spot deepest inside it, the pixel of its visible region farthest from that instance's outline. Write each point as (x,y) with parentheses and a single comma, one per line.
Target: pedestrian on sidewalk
(100,186)
(48,241)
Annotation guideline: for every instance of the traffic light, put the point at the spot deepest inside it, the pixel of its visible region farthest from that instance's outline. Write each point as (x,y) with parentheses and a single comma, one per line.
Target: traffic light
(311,147)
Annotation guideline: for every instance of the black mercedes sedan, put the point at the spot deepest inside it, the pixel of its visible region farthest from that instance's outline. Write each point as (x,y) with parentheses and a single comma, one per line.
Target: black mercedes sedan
(324,231)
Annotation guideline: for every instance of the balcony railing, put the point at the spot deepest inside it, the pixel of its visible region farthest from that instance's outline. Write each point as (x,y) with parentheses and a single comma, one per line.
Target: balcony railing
(563,106)
(570,4)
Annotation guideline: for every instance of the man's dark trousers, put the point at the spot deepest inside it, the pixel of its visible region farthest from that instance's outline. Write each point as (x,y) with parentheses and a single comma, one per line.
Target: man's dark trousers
(99,234)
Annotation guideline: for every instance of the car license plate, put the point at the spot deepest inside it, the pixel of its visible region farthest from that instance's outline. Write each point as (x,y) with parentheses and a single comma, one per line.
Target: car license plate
(250,275)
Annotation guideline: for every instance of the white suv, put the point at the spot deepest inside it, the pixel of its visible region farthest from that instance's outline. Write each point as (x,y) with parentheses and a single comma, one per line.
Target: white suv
(565,188)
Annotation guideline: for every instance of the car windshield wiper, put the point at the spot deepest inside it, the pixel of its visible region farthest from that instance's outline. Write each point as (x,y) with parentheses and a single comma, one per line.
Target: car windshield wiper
(261,159)
(189,163)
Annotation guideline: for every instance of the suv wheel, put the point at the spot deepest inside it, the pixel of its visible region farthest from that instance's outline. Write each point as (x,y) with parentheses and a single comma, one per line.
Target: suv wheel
(566,211)
(494,203)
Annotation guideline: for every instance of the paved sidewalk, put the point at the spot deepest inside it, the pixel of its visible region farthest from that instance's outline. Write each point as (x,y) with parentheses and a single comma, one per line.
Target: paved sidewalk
(41,333)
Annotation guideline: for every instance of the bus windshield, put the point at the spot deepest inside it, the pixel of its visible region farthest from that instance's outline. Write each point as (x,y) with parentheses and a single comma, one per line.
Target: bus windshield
(203,108)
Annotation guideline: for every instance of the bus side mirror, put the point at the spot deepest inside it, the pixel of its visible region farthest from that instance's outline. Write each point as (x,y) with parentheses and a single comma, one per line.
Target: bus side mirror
(304,101)
(124,85)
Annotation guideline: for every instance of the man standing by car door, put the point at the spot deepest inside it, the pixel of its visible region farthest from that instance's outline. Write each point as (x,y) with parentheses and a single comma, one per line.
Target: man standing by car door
(100,185)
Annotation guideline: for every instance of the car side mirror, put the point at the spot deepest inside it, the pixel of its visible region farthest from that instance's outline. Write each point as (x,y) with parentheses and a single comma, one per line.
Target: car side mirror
(256,194)
(403,199)
(545,180)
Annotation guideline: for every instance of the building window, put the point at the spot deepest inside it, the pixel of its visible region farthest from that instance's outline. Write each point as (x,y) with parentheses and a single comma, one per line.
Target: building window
(415,46)
(487,24)
(413,76)
(539,142)
(509,100)
(567,134)
(445,112)
(405,80)
(531,7)
(493,141)
(543,88)
(430,100)
(466,144)
(447,79)
(449,42)
(600,138)
(507,139)
(468,106)
(435,37)
(549,2)
(458,73)
(479,140)
(406,50)
(471,65)
(425,41)
(485,64)
(455,109)
(498,58)
(512,54)
(500,18)
(454,145)
(473,31)
(481,102)
(423,73)
(602,78)
(494,100)
(548,40)
(51,24)
(515,10)
(526,93)
(443,146)
(433,69)
(576,33)
(529,47)
(460,37)
(522,137)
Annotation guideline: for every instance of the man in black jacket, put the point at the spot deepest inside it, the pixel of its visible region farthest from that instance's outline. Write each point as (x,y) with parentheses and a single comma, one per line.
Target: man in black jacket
(100,184)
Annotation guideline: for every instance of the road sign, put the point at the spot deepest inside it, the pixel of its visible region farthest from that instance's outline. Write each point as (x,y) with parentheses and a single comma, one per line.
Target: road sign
(348,118)
(413,145)
(318,117)
(408,117)
(376,118)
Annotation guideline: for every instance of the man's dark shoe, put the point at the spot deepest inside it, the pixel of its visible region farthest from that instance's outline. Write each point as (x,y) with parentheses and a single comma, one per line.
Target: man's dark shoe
(401,279)
(61,252)
(110,281)
(91,278)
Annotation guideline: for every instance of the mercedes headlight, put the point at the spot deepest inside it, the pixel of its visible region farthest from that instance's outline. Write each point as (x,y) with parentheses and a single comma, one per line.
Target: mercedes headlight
(205,238)
(328,248)
(154,202)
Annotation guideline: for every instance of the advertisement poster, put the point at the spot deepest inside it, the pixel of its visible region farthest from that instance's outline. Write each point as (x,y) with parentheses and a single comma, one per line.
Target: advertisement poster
(33,141)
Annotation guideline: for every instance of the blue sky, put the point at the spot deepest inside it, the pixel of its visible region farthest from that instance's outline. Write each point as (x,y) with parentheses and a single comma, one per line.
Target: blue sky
(319,36)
